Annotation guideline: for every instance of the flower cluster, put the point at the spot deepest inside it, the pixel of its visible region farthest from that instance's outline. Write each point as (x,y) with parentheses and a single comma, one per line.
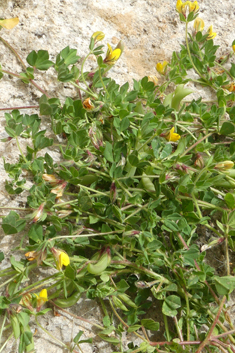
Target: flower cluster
(187,6)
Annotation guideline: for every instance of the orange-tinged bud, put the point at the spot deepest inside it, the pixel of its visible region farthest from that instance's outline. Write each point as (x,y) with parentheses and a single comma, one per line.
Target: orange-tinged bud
(199,162)
(50,178)
(39,215)
(40,256)
(87,104)
(59,190)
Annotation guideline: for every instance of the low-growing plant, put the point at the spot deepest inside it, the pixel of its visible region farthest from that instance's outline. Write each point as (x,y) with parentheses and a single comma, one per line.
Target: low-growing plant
(117,217)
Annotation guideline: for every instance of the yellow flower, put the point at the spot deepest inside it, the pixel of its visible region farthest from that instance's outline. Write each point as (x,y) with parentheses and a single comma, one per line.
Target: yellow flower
(41,299)
(188,5)
(193,7)
(61,258)
(9,23)
(98,36)
(153,79)
(211,33)
(172,136)
(43,295)
(233,46)
(198,24)
(112,55)
(224,165)
(161,67)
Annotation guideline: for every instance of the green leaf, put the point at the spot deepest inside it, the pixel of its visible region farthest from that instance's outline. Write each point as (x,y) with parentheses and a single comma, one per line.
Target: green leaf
(45,108)
(108,152)
(12,223)
(150,324)
(224,285)
(69,55)
(39,60)
(77,337)
(36,233)
(166,151)
(124,124)
(109,339)
(232,70)
(230,200)
(227,128)
(170,305)
(1,256)
(15,326)
(133,159)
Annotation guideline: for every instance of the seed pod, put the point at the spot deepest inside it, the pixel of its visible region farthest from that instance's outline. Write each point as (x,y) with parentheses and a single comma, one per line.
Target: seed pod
(67,302)
(119,304)
(101,265)
(147,183)
(124,297)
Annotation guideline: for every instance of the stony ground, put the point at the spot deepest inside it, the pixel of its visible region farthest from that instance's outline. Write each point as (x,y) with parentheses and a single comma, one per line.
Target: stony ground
(151,31)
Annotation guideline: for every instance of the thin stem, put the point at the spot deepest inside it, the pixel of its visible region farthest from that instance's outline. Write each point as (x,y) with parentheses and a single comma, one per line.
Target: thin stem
(49,334)
(146,142)
(136,211)
(85,235)
(166,327)
(9,280)
(77,317)
(207,339)
(102,82)
(227,252)
(123,322)
(31,81)
(196,143)
(21,152)
(190,56)
(14,52)
(84,90)
(3,324)
(178,329)
(5,343)
(18,108)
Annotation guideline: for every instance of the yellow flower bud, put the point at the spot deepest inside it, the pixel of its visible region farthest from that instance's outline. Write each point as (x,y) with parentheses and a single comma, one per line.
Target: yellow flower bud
(161,67)
(98,36)
(198,24)
(233,46)
(224,165)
